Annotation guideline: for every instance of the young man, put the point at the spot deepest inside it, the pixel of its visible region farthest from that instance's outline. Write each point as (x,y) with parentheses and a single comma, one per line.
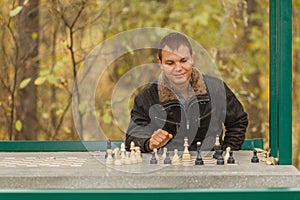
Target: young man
(185,103)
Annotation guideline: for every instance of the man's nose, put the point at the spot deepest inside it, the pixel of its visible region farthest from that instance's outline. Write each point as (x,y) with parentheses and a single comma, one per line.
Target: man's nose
(177,66)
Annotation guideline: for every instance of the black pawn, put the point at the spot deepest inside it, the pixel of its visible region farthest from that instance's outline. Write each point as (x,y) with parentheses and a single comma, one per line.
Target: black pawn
(254,159)
(217,149)
(153,159)
(220,160)
(167,159)
(230,158)
(218,153)
(199,160)
(108,146)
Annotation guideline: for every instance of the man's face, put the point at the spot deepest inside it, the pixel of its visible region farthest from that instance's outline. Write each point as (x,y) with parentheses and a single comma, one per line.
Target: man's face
(177,64)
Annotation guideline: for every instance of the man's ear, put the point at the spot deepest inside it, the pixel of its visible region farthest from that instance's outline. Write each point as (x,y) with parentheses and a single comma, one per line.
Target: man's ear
(193,58)
(158,61)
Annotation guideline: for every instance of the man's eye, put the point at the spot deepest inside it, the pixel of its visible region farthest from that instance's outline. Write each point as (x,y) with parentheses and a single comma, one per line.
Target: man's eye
(169,63)
(183,60)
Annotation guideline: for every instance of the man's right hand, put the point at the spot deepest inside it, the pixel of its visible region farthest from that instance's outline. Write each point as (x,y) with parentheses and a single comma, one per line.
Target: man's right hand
(159,138)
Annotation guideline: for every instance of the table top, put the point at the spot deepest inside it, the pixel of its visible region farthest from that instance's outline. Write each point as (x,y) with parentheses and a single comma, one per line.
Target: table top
(87,170)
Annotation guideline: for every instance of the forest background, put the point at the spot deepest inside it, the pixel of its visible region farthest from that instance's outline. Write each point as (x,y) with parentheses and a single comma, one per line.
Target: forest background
(43,44)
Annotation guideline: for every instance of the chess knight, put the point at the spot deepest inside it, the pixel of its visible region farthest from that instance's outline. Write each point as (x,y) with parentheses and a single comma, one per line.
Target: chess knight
(185,103)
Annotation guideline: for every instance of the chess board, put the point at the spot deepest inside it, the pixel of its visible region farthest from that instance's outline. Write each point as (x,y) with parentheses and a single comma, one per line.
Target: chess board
(49,161)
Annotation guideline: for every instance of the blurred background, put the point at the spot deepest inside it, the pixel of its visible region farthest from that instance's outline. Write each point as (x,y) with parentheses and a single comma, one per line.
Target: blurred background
(43,45)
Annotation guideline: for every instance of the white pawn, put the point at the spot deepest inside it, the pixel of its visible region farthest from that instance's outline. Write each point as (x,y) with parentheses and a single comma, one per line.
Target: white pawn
(156,154)
(127,160)
(138,155)
(123,153)
(176,158)
(164,155)
(109,159)
(133,158)
(117,157)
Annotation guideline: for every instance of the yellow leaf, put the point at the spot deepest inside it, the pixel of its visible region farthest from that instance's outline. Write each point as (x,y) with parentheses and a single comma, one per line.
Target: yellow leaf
(106,118)
(18,125)
(34,35)
(15,11)
(24,83)
(40,80)
(52,79)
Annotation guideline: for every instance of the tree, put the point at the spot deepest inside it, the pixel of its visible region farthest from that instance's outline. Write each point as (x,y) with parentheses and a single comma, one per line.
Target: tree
(27,69)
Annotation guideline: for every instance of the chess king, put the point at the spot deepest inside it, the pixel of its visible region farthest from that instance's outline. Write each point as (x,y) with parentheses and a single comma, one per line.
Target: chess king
(183,102)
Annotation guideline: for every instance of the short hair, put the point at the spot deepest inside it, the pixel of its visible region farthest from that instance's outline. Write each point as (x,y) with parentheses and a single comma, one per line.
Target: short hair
(173,41)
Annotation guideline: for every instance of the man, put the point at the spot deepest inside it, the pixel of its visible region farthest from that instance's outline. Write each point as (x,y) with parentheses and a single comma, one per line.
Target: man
(185,103)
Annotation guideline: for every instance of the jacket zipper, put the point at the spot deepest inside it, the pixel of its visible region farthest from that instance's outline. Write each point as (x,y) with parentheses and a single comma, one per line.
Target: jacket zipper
(185,112)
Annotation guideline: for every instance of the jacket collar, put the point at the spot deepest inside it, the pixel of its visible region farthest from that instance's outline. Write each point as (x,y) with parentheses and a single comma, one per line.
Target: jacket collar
(166,94)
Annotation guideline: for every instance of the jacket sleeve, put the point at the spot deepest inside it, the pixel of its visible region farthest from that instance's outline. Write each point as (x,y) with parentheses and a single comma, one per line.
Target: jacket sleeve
(236,122)
(139,129)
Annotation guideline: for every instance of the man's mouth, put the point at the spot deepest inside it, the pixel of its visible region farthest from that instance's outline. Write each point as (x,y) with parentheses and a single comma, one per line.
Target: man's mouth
(179,75)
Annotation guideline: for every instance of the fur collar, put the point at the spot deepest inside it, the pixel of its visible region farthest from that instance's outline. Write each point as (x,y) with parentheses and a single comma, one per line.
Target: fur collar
(166,94)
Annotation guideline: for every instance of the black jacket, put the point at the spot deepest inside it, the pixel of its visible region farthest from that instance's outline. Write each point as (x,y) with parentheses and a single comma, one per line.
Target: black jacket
(212,106)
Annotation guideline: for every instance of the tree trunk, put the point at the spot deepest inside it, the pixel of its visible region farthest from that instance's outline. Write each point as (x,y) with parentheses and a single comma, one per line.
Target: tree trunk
(28,66)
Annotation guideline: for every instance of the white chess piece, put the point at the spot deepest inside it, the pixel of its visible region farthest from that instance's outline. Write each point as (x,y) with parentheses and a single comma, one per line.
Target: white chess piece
(138,154)
(156,154)
(109,159)
(164,155)
(127,160)
(217,143)
(176,158)
(186,145)
(186,156)
(228,149)
(117,157)
(123,153)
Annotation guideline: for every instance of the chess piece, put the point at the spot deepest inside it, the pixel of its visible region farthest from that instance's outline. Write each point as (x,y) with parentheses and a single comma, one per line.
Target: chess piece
(127,160)
(176,158)
(108,146)
(109,158)
(164,155)
(117,157)
(230,159)
(226,156)
(123,153)
(138,155)
(153,159)
(167,160)
(133,158)
(217,147)
(132,149)
(218,153)
(186,156)
(220,160)
(156,154)
(254,159)
(199,160)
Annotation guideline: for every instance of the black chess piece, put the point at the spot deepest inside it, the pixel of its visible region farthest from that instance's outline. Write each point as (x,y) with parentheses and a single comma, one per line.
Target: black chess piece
(218,150)
(108,146)
(218,153)
(167,159)
(230,158)
(199,160)
(220,160)
(254,159)
(153,159)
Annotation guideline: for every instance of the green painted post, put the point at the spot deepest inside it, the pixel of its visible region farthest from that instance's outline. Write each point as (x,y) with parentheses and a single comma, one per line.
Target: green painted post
(281,80)
(285,82)
(273,80)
